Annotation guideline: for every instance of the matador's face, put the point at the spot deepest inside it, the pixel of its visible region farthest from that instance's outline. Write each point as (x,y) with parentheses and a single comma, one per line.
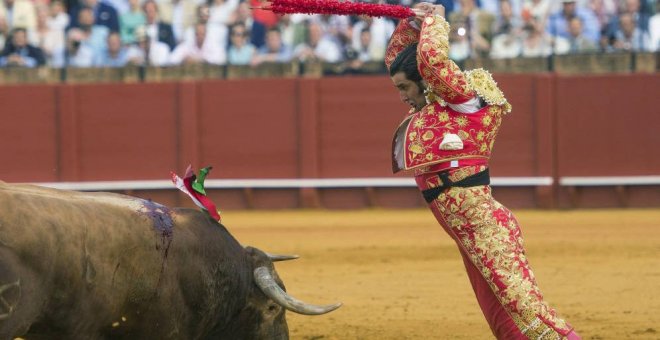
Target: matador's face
(410,92)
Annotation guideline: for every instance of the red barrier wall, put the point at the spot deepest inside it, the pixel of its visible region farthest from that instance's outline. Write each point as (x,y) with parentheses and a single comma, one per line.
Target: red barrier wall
(322,128)
(608,125)
(29,134)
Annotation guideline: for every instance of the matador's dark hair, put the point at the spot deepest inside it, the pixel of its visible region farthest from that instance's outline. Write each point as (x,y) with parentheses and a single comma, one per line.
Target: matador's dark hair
(406,62)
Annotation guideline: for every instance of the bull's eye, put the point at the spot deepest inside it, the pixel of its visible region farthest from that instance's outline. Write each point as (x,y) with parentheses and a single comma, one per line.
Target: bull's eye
(272,308)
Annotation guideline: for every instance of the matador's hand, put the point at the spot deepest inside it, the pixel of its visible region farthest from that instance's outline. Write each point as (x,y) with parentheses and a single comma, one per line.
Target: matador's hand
(424,9)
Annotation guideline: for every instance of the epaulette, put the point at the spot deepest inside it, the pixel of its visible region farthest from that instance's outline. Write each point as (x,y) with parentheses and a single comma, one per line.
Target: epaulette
(482,82)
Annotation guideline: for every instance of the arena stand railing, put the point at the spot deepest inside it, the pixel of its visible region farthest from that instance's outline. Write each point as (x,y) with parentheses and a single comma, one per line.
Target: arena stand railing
(563,64)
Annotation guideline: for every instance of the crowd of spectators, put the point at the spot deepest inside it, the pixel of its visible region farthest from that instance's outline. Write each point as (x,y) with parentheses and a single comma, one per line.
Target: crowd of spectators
(115,33)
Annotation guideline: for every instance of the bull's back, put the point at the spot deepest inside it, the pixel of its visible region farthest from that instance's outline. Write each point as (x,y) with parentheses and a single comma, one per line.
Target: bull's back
(101,258)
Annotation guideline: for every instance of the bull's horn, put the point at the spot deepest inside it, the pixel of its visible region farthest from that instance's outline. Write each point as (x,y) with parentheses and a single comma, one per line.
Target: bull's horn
(277,257)
(268,286)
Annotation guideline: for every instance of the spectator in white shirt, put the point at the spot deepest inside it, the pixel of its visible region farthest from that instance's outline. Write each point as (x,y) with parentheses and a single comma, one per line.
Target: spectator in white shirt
(50,38)
(202,50)
(59,19)
(221,11)
(215,34)
(380,30)
(148,52)
(538,43)
(318,46)
(654,29)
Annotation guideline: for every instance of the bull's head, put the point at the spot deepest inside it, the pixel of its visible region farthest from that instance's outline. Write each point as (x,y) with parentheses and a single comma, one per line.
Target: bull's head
(268,300)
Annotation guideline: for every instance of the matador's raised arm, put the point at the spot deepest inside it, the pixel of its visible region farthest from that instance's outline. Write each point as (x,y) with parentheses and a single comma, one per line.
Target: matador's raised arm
(441,74)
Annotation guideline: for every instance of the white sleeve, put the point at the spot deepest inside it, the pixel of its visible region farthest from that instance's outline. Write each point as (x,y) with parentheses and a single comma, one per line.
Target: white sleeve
(471,106)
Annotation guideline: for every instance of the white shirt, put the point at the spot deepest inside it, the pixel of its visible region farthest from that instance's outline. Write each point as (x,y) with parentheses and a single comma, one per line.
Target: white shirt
(381,30)
(152,31)
(208,52)
(159,54)
(326,50)
(505,46)
(215,34)
(654,30)
(220,14)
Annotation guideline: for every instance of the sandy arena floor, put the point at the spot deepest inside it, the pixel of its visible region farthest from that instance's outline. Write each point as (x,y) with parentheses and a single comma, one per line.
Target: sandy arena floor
(400,277)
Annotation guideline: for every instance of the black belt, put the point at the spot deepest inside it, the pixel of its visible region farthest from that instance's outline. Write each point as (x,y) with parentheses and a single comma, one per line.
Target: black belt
(481,178)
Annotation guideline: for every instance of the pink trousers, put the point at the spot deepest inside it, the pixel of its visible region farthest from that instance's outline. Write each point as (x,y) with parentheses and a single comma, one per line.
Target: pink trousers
(491,245)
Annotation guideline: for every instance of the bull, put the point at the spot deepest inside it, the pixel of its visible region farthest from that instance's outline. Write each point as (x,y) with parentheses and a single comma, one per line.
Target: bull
(76,265)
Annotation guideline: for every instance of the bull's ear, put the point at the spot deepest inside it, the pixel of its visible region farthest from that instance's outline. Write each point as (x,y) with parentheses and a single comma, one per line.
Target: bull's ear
(270,288)
(279,257)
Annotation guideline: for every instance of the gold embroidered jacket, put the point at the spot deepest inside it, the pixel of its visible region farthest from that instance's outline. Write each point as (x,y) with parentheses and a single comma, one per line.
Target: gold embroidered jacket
(418,140)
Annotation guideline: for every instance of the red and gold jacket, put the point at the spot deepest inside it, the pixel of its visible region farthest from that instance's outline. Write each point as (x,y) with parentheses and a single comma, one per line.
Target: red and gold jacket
(438,137)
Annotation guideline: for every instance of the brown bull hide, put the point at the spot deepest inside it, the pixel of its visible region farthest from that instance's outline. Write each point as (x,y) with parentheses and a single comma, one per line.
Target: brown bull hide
(99,265)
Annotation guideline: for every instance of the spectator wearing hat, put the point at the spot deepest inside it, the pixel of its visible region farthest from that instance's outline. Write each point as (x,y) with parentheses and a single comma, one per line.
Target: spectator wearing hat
(19,53)
(559,23)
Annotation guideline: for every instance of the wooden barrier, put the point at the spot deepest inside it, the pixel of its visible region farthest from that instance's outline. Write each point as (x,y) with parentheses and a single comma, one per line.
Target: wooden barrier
(561,64)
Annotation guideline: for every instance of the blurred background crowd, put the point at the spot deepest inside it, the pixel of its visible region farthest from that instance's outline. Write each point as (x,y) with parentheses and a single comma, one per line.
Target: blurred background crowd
(115,33)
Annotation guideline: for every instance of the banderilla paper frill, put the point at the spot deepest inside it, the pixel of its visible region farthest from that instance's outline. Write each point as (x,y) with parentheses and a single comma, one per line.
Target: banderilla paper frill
(193,186)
